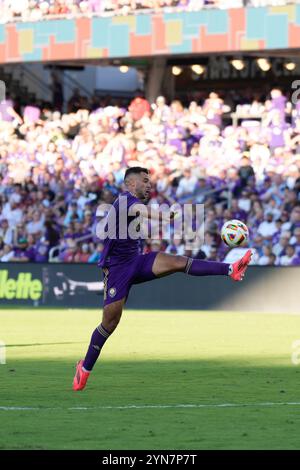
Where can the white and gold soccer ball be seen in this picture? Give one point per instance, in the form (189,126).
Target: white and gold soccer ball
(235,233)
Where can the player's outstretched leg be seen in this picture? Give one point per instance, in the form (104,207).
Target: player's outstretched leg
(165,264)
(206,268)
(111,316)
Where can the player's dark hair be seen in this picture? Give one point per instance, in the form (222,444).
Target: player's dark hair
(135,170)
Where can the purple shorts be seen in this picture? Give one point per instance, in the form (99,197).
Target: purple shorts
(119,279)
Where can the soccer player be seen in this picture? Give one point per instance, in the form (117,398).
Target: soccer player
(123,265)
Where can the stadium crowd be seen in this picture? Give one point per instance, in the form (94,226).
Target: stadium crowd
(55,170)
(34,10)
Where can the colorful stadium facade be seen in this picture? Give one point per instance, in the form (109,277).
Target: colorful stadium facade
(152,34)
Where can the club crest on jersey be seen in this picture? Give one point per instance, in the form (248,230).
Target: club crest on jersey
(112,292)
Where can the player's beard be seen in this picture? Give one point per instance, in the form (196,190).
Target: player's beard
(143,196)
(146,198)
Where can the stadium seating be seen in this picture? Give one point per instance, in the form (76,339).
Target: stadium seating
(56,168)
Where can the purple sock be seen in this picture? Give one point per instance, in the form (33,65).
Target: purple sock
(98,339)
(198,267)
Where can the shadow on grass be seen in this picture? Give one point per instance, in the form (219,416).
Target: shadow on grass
(123,405)
(121,382)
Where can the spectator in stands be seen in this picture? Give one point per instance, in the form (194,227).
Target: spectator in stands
(289,257)
(139,107)
(36,225)
(83,254)
(95,257)
(6,253)
(295,240)
(6,232)
(8,113)
(176,247)
(265,258)
(267,228)
(278,103)
(280,247)
(245,172)
(213,109)
(187,184)
(31,114)
(52,233)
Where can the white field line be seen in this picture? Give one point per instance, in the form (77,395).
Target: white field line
(144,407)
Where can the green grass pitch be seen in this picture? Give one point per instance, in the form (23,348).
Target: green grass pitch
(154,365)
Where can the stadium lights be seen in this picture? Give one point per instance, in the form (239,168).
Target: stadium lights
(198,69)
(238,64)
(290,66)
(124,68)
(264,64)
(176,70)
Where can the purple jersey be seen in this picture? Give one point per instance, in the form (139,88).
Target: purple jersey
(119,247)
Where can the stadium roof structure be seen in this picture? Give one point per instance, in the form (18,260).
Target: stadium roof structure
(180,33)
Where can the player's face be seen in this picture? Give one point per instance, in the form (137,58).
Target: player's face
(143,187)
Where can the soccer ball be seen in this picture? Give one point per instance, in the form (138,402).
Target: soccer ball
(234,233)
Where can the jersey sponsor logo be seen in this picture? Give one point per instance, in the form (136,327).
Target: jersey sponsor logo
(22,288)
(112,292)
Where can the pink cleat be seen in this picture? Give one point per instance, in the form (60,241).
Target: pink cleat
(237,269)
(80,378)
